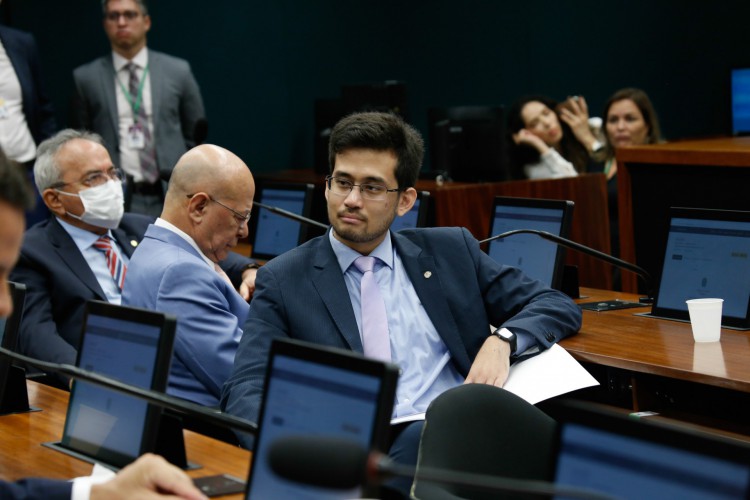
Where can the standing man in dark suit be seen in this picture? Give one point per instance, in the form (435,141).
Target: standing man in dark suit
(145,104)
(63,264)
(26,113)
(437,292)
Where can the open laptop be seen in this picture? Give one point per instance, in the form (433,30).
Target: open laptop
(417,216)
(538,258)
(133,346)
(608,451)
(707,255)
(272,234)
(313,390)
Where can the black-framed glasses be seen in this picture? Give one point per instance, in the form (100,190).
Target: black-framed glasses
(115,16)
(93,179)
(238,216)
(342,186)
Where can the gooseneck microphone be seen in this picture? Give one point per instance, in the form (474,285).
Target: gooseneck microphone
(645,276)
(343,464)
(162,400)
(290,215)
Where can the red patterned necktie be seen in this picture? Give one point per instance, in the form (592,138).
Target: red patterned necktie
(117,267)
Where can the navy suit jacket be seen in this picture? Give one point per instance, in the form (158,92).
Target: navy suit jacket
(37,107)
(30,489)
(302,295)
(59,282)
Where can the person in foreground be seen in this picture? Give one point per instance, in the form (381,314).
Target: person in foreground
(176,268)
(150,474)
(62,264)
(439,290)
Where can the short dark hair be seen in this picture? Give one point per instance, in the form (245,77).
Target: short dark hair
(143,4)
(381,132)
(15,190)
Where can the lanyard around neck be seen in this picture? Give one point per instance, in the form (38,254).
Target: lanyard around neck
(135,104)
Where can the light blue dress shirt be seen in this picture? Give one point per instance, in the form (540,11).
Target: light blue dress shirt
(96,259)
(416,347)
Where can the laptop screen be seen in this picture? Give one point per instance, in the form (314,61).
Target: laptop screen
(272,234)
(741,101)
(318,391)
(130,345)
(537,258)
(416,217)
(632,459)
(707,255)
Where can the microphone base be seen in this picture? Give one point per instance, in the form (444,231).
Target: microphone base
(570,282)
(15,398)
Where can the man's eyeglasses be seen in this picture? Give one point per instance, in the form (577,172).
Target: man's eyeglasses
(93,179)
(238,216)
(114,16)
(342,187)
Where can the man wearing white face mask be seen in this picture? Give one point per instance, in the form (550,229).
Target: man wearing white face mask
(83,250)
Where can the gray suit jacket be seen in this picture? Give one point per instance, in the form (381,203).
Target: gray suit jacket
(175,97)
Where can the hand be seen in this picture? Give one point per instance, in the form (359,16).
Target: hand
(524,136)
(575,113)
(247,287)
(492,363)
(149,477)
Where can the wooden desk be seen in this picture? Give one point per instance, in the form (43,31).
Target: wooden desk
(652,364)
(22,454)
(708,173)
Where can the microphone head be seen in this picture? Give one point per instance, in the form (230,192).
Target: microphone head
(328,462)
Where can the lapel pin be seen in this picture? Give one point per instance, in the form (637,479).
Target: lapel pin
(133,243)
(427,274)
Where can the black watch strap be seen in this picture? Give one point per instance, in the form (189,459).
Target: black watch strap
(506,336)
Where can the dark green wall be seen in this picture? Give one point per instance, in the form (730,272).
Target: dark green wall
(261,65)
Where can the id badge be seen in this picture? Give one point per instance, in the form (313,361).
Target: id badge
(136,140)
(3,109)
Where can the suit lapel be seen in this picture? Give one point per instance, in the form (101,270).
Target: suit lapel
(157,79)
(329,282)
(72,257)
(107,86)
(127,242)
(424,276)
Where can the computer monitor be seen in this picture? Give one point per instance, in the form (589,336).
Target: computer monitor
(271,234)
(133,346)
(707,255)
(610,452)
(536,257)
(13,395)
(741,101)
(467,143)
(319,391)
(417,216)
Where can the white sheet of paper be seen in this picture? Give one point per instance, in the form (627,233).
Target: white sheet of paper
(546,375)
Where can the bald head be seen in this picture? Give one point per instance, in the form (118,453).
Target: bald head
(210,189)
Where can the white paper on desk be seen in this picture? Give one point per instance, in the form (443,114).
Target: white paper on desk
(546,375)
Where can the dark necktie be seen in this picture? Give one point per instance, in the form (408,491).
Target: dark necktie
(146,155)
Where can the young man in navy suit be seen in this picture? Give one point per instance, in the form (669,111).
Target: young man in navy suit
(441,292)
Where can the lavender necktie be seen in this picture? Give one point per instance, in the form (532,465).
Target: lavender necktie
(375,336)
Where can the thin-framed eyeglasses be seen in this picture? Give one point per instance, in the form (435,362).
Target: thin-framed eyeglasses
(238,216)
(342,186)
(115,16)
(93,179)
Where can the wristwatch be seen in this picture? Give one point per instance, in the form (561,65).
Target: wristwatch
(596,146)
(507,336)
